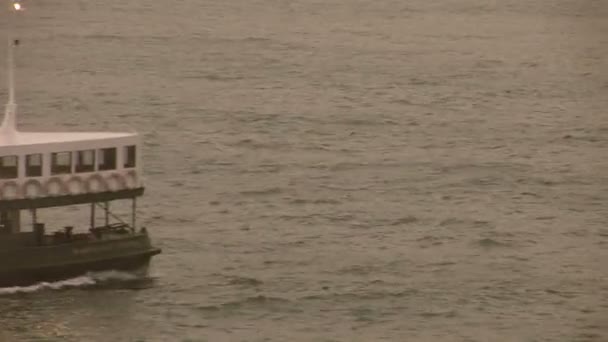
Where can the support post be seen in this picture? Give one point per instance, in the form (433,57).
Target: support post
(133,212)
(92,215)
(107,213)
(11,219)
(9,126)
(39,233)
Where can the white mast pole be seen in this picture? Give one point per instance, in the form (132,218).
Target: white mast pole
(11,73)
(10,113)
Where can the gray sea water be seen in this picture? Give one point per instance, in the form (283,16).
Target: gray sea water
(336,170)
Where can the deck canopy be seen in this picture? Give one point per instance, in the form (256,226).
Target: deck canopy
(16,142)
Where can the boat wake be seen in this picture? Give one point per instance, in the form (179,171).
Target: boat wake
(103,279)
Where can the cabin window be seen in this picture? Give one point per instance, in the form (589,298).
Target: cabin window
(107,159)
(33,165)
(61,163)
(129,156)
(9,166)
(85,161)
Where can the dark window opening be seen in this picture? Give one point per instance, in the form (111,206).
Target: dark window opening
(85,161)
(107,159)
(61,163)
(129,156)
(9,166)
(33,165)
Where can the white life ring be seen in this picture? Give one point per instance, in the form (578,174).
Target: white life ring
(10,190)
(55,187)
(131,180)
(95,183)
(32,189)
(115,182)
(75,185)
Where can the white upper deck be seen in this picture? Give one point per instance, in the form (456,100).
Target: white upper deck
(40,138)
(38,164)
(15,142)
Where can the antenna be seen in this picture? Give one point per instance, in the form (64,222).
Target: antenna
(9,124)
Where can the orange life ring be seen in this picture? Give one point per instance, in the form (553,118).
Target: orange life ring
(75,185)
(33,189)
(131,180)
(96,183)
(115,182)
(55,187)
(10,190)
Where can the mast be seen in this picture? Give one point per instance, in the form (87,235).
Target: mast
(9,124)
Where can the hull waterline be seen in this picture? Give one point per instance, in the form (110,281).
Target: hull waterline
(27,266)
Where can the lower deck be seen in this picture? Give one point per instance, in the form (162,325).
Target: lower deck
(60,251)
(65,256)
(11,241)
(56,262)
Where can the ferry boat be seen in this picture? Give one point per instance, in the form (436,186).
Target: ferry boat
(43,170)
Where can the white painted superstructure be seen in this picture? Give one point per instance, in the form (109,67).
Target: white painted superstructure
(41,164)
(38,164)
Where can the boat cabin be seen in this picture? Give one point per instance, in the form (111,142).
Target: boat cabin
(43,165)
(41,170)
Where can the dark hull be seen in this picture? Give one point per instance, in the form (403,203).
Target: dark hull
(54,263)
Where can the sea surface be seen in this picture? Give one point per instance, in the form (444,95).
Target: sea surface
(335,170)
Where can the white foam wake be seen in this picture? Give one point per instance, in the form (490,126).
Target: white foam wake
(113,275)
(89,279)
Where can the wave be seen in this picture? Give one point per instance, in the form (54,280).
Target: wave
(275,303)
(404,220)
(490,243)
(88,280)
(264,191)
(439,313)
(236,280)
(356,296)
(314,201)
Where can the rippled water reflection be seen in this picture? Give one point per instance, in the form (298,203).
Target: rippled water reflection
(338,170)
